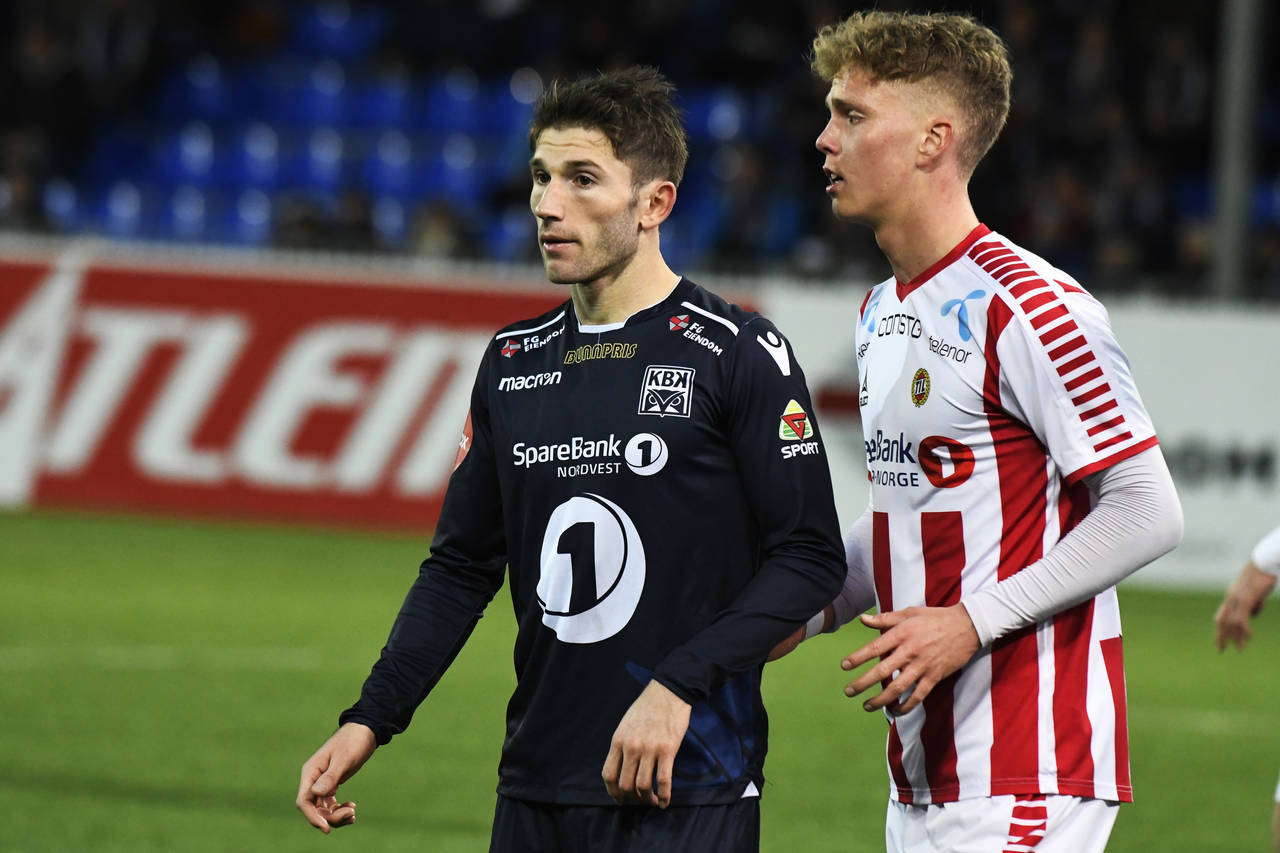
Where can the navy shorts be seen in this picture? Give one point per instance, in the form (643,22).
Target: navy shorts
(520,826)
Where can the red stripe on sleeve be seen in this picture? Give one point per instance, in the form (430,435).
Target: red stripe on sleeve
(1084,379)
(1023,288)
(1039,301)
(1104,388)
(1103,427)
(1112,442)
(1075,364)
(1058,331)
(1105,407)
(1070,346)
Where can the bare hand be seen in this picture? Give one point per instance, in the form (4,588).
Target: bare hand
(1244,600)
(643,751)
(923,645)
(334,763)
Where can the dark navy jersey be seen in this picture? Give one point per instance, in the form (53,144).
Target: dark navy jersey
(660,494)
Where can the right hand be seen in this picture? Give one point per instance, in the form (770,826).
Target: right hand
(334,763)
(1243,601)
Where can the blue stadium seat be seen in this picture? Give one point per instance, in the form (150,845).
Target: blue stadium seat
(123,211)
(319,166)
(322,95)
(453,102)
(338,29)
(61,202)
(383,102)
(185,215)
(251,219)
(255,158)
(390,222)
(458,172)
(720,115)
(188,155)
(388,166)
(508,104)
(201,88)
(511,236)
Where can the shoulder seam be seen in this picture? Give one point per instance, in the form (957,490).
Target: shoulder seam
(511,332)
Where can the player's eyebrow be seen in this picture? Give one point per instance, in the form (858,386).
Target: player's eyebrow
(567,165)
(840,105)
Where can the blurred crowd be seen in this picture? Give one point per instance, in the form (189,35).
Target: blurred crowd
(1105,166)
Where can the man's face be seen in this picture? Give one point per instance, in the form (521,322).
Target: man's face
(587,210)
(870,143)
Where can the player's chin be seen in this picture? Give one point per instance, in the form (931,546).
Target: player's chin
(559,273)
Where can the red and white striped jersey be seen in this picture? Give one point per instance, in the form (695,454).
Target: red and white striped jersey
(990,385)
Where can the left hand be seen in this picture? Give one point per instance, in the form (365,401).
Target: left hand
(643,750)
(923,645)
(1243,601)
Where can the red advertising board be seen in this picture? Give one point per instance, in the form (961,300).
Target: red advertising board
(306,394)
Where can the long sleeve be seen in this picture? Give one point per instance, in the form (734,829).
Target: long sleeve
(453,587)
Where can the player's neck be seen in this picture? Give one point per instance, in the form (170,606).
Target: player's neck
(644,281)
(925,231)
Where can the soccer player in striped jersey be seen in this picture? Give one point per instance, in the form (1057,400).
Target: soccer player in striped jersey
(1015,474)
(1244,600)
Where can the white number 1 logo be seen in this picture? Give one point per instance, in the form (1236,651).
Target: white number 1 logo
(592,570)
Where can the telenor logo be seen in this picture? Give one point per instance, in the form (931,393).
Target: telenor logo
(666,391)
(794,424)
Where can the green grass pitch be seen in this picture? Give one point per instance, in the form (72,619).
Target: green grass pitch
(162,681)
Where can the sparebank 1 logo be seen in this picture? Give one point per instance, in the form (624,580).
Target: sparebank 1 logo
(592,570)
(962,313)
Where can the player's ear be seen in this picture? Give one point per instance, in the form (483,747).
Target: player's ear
(938,138)
(657,198)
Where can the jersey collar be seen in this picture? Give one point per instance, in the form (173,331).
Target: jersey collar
(677,293)
(904,290)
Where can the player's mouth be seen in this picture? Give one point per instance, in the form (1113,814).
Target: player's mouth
(554,242)
(834,181)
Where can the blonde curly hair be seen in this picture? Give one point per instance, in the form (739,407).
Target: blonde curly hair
(961,58)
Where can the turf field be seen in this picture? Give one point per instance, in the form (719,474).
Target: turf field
(162,681)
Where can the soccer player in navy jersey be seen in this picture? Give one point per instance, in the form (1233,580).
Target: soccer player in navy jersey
(644,463)
(1015,473)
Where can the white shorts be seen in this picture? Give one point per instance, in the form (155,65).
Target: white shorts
(1278,792)
(1005,824)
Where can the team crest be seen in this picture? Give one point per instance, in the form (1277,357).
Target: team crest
(667,391)
(678,322)
(794,424)
(920,387)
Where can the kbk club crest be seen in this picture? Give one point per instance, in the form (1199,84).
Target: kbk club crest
(667,391)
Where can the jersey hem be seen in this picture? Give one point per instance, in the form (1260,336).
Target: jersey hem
(580,797)
(1020,787)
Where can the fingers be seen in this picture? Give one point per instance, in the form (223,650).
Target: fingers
(665,772)
(637,775)
(612,772)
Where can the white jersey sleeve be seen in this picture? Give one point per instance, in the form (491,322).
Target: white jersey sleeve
(1064,375)
(1266,554)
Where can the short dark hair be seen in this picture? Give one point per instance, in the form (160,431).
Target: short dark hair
(633,108)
